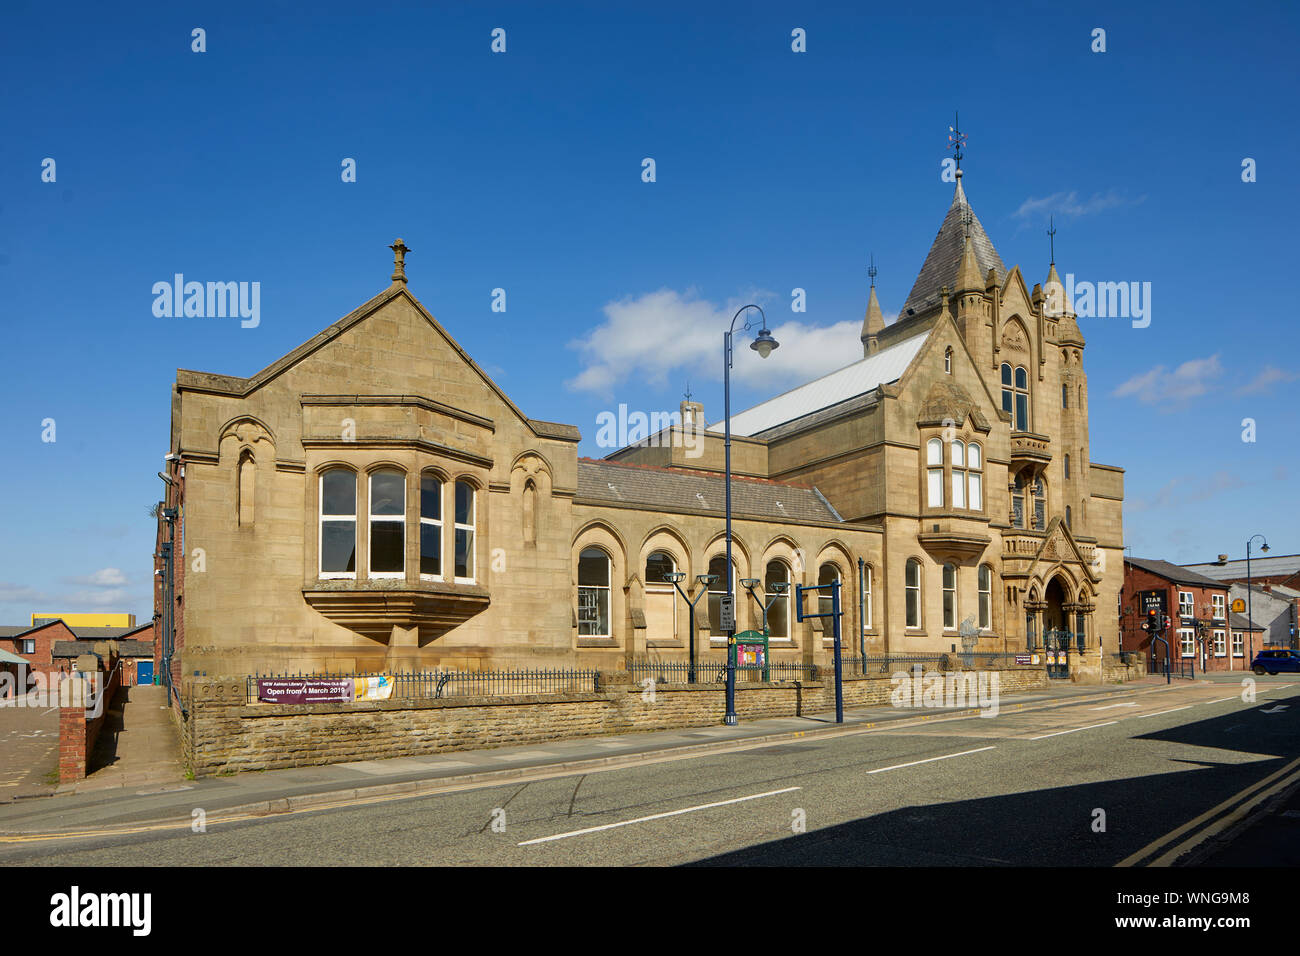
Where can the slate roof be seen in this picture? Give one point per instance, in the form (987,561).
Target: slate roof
(1239,622)
(1175,573)
(124,648)
(942,262)
(1262,565)
(109,633)
(646,486)
(837,387)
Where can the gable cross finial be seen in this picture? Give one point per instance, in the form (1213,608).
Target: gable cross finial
(399,261)
(688,390)
(1051,237)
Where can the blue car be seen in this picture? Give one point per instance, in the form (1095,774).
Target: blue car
(1273,661)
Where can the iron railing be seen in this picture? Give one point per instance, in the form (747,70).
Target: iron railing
(443,684)
(1184,669)
(876,665)
(715,672)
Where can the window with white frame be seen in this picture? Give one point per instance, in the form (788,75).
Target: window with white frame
(866,602)
(828,573)
(1238,644)
(430,527)
(778,615)
(949,597)
(986,597)
(974,479)
(912,588)
(1220,644)
(947,360)
(717,591)
(1219,601)
(29,646)
(934,472)
(958,473)
(338,523)
(1187,636)
(465,505)
(387,524)
(1015,396)
(593,593)
(1185,604)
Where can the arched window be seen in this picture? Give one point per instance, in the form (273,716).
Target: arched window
(593,593)
(1015,396)
(947,360)
(866,597)
(828,573)
(660,597)
(338,524)
(934,472)
(464,568)
(1018,502)
(778,615)
(1067,517)
(387,524)
(912,586)
(986,597)
(949,597)
(974,478)
(246,488)
(718,590)
(530,512)
(1067,466)
(1065,396)
(430,527)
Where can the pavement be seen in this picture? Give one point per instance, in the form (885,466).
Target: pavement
(29,748)
(138,746)
(88,804)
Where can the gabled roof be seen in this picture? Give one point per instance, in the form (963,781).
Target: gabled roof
(1260,566)
(943,262)
(690,492)
(1175,573)
(887,365)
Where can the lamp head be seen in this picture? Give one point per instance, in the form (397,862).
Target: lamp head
(779,587)
(673,577)
(1264,546)
(706,578)
(749,582)
(764,344)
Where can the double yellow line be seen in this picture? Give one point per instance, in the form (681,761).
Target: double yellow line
(1227,817)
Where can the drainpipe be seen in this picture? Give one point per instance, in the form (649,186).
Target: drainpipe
(862,601)
(168,550)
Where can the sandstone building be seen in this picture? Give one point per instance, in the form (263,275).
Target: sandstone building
(373,501)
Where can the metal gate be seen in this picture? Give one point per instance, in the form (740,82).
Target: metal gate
(1056,648)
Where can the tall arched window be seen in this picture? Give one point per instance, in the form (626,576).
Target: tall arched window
(828,573)
(934,472)
(947,360)
(1018,502)
(912,586)
(430,527)
(974,477)
(530,512)
(593,593)
(778,615)
(1067,466)
(949,597)
(387,524)
(1065,396)
(338,524)
(246,488)
(1068,517)
(1040,504)
(958,473)
(717,591)
(464,568)
(986,597)
(660,597)
(1015,396)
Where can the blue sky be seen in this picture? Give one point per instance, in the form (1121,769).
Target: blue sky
(522,171)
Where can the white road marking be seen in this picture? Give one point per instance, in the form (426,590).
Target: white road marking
(1170,711)
(899,766)
(1113,706)
(1075,730)
(658,816)
(1221,699)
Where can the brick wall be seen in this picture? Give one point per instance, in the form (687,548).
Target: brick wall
(41,660)
(223,732)
(78,731)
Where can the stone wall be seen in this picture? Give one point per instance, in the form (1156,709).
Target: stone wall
(224,733)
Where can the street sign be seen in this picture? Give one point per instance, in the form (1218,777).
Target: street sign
(727,613)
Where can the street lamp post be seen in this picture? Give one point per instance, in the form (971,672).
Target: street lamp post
(763,345)
(779,588)
(704,580)
(1249,616)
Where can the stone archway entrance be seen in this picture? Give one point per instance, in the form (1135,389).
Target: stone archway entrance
(1054,614)
(1056,629)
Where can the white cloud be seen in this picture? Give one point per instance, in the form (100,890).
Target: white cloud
(658,334)
(103,578)
(1069,205)
(1268,376)
(1159,386)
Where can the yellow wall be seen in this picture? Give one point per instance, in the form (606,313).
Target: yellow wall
(89,620)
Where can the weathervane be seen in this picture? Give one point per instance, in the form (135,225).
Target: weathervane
(688,390)
(872,270)
(1051,237)
(956,140)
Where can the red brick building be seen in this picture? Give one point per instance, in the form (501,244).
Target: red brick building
(1196,607)
(35,645)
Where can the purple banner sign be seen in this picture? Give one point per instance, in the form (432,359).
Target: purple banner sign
(304,690)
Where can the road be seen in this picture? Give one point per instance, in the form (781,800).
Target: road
(1084,782)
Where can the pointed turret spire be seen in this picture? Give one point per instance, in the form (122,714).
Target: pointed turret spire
(873,323)
(944,262)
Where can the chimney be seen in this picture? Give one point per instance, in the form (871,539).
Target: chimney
(1223,559)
